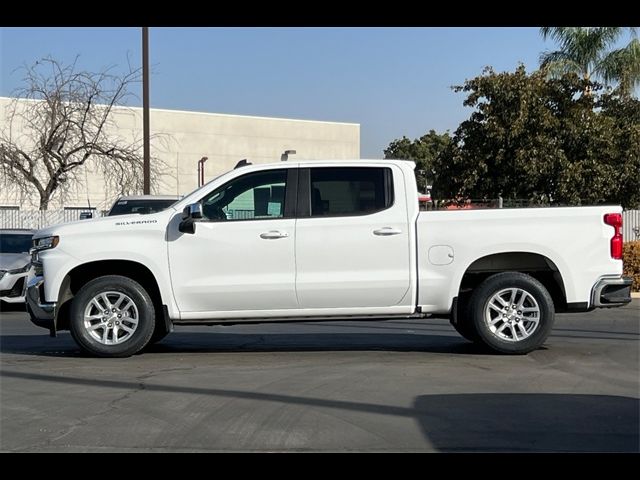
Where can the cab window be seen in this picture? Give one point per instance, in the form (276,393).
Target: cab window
(255,196)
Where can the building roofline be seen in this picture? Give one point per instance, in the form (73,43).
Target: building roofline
(284,119)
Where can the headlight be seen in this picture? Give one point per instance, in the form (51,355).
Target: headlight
(18,270)
(45,243)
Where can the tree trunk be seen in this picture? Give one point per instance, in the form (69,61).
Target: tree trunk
(44,201)
(587,90)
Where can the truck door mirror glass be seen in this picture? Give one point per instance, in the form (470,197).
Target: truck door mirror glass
(190,214)
(193,211)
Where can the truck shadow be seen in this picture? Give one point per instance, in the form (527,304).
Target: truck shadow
(530,422)
(383,336)
(214,342)
(308,342)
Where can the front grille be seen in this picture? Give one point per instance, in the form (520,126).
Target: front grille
(15,291)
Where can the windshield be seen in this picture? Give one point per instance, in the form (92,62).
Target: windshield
(125,207)
(15,243)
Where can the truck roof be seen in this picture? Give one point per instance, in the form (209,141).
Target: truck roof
(335,161)
(348,160)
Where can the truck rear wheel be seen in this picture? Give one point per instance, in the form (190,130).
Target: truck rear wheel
(512,313)
(462,321)
(112,316)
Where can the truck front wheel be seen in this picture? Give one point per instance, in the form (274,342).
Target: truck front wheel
(112,316)
(512,313)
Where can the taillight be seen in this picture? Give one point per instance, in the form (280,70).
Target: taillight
(615,220)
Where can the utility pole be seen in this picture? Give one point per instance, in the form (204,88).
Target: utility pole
(201,170)
(146,168)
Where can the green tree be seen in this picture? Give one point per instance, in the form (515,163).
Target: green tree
(623,117)
(423,151)
(587,51)
(535,137)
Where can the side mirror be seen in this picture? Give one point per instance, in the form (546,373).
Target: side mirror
(190,214)
(193,211)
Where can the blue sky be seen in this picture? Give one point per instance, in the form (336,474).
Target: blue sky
(393,81)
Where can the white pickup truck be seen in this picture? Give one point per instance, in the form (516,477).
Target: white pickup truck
(322,240)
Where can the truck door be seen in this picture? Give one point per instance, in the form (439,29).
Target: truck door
(241,256)
(352,238)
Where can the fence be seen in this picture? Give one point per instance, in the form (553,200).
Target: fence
(36,219)
(631,225)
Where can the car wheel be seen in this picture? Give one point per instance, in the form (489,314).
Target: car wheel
(462,321)
(112,316)
(512,312)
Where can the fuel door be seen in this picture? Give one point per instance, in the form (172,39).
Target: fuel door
(440,255)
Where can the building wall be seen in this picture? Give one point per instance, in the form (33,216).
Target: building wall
(181,138)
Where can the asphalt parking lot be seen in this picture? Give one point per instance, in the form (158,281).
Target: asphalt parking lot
(397,385)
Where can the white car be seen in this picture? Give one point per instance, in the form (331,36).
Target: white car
(321,240)
(142,204)
(14,263)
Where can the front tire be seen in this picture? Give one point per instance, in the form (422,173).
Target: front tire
(112,316)
(512,313)
(159,333)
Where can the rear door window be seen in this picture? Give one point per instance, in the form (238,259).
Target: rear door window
(344,191)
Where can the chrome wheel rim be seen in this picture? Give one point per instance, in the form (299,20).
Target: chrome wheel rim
(111,318)
(512,314)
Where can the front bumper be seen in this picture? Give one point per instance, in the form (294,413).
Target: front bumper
(43,314)
(12,287)
(611,292)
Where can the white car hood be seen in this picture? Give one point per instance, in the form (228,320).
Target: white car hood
(11,261)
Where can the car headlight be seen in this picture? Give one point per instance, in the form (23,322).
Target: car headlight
(45,243)
(18,270)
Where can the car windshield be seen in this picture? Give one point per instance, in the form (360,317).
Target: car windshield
(125,207)
(15,243)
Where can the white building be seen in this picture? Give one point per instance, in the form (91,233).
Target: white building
(181,138)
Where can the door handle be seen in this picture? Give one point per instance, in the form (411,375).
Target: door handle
(386,231)
(273,234)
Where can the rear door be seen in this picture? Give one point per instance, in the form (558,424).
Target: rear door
(352,238)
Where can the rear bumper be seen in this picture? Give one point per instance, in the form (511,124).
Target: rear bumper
(43,314)
(611,292)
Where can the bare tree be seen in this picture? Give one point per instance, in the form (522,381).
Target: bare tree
(65,121)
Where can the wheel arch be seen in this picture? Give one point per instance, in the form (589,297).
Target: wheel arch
(85,272)
(539,266)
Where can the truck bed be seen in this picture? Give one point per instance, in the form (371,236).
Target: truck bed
(575,241)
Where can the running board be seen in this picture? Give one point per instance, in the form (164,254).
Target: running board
(249,321)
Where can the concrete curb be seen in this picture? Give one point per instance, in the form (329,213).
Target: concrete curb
(635,294)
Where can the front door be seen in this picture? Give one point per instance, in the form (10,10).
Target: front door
(241,257)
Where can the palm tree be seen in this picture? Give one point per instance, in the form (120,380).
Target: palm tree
(587,52)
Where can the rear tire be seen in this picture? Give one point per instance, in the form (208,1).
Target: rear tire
(512,313)
(462,321)
(112,316)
